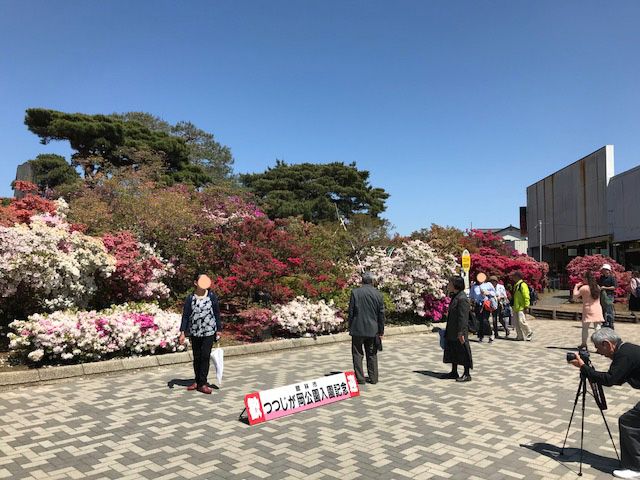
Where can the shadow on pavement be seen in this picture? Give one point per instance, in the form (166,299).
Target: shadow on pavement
(429,373)
(566,349)
(185,382)
(604,464)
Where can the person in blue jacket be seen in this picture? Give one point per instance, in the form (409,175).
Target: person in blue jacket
(201,322)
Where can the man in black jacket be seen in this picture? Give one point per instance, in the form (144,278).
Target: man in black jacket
(625,367)
(366,321)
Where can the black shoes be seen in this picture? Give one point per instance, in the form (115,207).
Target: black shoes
(464,378)
(450,375)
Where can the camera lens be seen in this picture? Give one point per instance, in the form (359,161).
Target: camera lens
(571,356)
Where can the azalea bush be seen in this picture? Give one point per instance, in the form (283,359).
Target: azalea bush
(414,276)
(302,315)
(21,210)
(45,266)
(593,263)
(490,254)
(139,271)
(74,336)
(252,324)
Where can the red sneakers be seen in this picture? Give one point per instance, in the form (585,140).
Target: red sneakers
(205,389)
(192,387)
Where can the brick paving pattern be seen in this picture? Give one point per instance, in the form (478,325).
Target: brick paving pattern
(508,423)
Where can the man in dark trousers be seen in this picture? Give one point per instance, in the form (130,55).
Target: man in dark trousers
(625,367)
(366,321)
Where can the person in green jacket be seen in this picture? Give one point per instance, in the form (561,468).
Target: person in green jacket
(521,301)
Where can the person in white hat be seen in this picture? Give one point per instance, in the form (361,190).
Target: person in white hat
(608,282)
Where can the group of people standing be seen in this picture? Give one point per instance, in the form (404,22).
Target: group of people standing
(489,299)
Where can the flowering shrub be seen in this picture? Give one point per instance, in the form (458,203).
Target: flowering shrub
(491,262)
(252,324)
(20,211)
(593,263)
(272,256)
(221,207)
(139,270)
(46,266)
(302,315)
(69,335)
(414,276)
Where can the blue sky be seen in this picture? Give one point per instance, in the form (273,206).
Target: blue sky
(455,107)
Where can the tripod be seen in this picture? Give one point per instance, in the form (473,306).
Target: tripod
(598,394)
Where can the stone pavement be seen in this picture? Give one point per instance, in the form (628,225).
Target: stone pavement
(509,422)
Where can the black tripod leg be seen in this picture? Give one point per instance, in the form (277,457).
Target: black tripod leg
(610,436)
(583,385)
(575,402)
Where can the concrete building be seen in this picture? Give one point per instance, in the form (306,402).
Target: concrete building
(584,209)
(512,237)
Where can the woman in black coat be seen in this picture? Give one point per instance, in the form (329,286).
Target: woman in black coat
(457,350)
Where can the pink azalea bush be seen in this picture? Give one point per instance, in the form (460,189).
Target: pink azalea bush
(593,263)
(252,324)
(73,336)
(139,270)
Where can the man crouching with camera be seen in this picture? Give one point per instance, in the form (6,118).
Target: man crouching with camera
(625,367)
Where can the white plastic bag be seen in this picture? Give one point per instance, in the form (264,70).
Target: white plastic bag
(217,356)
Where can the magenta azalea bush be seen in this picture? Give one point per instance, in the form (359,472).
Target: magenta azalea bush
(252,324)
(69,336)
(593,263)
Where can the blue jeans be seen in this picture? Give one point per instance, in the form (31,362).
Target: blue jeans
(609,316)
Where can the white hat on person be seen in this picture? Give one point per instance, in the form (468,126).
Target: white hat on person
(606,266)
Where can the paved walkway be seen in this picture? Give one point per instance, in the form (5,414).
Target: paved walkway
(509,422)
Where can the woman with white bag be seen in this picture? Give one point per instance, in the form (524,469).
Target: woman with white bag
(201,321)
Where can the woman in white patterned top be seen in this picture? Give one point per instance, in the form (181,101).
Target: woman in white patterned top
(201,321)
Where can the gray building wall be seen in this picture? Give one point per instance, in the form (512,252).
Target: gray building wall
(623,204)
(572,202)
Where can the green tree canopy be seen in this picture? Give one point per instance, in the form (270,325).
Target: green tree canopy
(214,158)
(102,142)
(53,171)
(314,190)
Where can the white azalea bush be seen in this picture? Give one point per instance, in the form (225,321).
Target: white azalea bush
(414,276)
(46,263)
(73,336)
(302,315)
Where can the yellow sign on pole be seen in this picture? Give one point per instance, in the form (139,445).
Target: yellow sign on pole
(466,260)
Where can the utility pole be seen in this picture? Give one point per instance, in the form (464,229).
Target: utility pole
(540,228)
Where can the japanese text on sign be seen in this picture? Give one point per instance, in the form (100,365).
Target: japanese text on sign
(278,402)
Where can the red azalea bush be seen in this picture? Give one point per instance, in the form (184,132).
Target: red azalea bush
(252,324)
(593,263)
(272,256)
(494,257)
(20,211)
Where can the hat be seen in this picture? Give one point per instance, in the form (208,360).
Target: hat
(606,266)
(493,278)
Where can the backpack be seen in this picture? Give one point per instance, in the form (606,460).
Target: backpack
(533,295)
